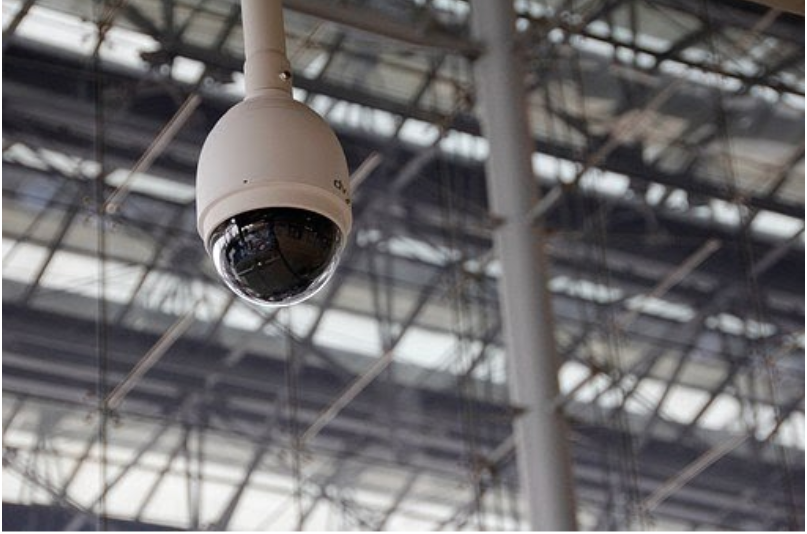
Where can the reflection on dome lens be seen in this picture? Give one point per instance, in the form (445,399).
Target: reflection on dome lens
(276,256)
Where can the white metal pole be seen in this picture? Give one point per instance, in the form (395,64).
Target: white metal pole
(266,67)
(542,448)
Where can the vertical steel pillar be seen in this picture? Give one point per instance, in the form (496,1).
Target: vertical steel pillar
(543,452)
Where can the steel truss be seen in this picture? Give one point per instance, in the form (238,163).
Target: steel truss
(220,395)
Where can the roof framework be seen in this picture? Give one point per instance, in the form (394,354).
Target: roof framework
(670,147)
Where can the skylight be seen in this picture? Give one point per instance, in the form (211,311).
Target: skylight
(722,414)
(349,331)
(242,317)
(153,186)
(465,145)
(186,70)
(775,225)
(731,324)
(408,247)
(425,348)
(585,289)
(69,32)
(79,274)
(22,261)
(683,403)
(419,133)
(661,308)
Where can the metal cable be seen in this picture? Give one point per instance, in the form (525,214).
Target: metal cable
(102,20)
(756,344)
(595,231)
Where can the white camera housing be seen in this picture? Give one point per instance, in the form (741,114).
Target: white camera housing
(270,152)
(272,185)
(266,155)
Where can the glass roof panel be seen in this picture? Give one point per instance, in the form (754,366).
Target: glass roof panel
(583,88)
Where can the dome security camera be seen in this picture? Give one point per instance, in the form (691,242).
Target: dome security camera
(273,195)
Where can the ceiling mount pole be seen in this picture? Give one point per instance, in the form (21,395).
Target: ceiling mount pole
(542,450)
(266,67)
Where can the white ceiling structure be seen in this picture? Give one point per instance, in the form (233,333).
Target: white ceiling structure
(673,133)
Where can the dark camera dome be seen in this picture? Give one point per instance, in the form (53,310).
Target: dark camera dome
(276,256)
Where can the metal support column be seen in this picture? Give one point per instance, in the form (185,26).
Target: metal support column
(542,450)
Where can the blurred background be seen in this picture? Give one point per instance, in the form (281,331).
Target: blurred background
(669,136)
